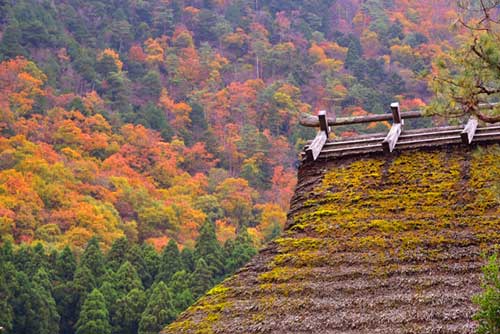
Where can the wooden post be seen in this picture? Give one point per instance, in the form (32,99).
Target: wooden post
(392,137)
(396,112)
(323,124)
(314,149)
(469,130)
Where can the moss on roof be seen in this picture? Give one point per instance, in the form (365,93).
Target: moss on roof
(380,244)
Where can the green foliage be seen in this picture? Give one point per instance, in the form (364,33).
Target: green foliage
(179,285)
(170,262)
(159,310)
(201,279)
(47,311)
(7,314)
(33,306)
(488,301)
(83,283)
(70,298)
(469,75)
(118,253)
(94,315)
(136,258)
(128,312)
(151,260)
(209,250)
(93,258)
(239,251)
(127,279)
(65,265)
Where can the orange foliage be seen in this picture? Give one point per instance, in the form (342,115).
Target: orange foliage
(158,242)
(178,112)
(154,52)
(316,52)
(137,54)
(113,55)
(283,185)
(20,84)
(272,216)
(224,231)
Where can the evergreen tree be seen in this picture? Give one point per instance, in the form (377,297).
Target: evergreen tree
(118,94)
(23,260)
(239,251)
(354,52)
(65,265)
(6,252)
(94,315)
(128,312)
(111,295)
(93,258)
(136,257)
(47,309)
(187,257)
(39,259)
(151,89)
(66,301)
(179,284)
(10,46)
(154,117)
(127,279)
(34,308)
(170,262)
(208,248)
(159,311)
(6,289)
(106,65)
(117,254)
(22,304)
(151,259)
(83,283)
(201,279)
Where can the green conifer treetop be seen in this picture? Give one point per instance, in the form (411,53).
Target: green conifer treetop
(94,316)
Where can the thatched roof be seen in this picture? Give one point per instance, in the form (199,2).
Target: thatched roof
(374,244)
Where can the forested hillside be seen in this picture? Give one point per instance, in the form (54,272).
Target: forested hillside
(145,119)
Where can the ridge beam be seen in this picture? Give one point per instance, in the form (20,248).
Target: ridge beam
(314,149)
(469,131)
(392,137)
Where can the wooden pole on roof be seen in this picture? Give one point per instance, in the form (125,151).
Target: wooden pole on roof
(392,137)
(313,122)
(317,144)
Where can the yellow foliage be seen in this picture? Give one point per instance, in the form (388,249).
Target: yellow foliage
(154,51)
(112,54)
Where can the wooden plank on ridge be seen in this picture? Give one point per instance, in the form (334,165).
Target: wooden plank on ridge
(314,149)
(392,138)
(470,129)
